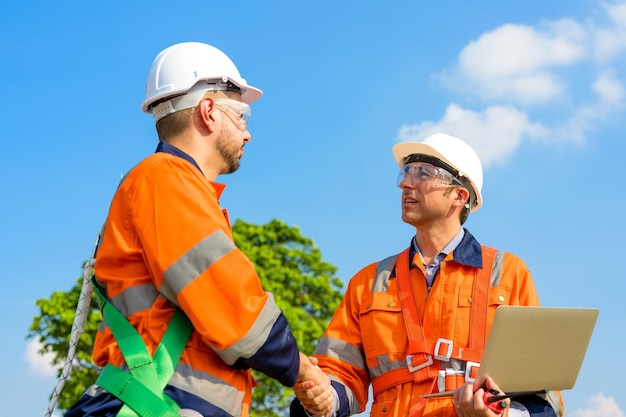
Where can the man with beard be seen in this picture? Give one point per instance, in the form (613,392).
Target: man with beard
(185,316)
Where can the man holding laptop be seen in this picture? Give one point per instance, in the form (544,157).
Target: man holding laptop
(416,323)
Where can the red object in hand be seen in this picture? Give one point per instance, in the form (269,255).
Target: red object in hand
(496,406)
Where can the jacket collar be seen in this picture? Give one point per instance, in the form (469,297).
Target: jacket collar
(468,251)
(173,150)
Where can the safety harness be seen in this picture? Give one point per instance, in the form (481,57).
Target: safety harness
(141,390)
(425,356)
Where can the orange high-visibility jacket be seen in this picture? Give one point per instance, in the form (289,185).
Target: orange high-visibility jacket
(167,243)
(366,341)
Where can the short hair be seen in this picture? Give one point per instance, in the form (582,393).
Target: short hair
(174,124)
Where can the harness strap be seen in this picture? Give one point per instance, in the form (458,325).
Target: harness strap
(413,321)
(480,301)
(425,361)
(138,399)
(141,391)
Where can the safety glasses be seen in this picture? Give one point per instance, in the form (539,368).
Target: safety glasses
(241,111)
(424,172)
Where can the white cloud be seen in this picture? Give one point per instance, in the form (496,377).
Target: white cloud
(608,44)
(609,99)
(609,89)
(39,364)
(617,13)
(599,406)
(553,82)
(513,61)
(495,134)
(610,41)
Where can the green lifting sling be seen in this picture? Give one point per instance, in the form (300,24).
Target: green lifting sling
(141,391)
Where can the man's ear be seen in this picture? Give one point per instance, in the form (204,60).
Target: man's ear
(461,197)
(206,109)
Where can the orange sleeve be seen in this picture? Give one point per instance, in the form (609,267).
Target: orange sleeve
(344,358)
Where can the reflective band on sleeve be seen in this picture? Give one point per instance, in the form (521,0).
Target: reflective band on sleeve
(193,263)
(209,388)
(343,351)
(132,300)
(135,299)
(255,337)
(384,366)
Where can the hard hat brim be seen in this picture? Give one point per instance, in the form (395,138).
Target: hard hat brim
(402,150)
(250,94)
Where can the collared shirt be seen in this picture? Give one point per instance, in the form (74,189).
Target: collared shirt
(171,149)
(467,256)
(432,268)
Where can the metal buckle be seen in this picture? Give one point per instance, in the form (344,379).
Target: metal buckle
(445,357)
(443,374)
(441,381)
(468,370)
(424,364)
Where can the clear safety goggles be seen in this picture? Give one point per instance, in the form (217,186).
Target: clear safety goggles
(237,109)
(425,172)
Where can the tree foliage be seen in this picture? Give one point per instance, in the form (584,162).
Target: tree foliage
(304,286)
(289,265)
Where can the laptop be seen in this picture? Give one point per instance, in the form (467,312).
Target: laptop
(536,348)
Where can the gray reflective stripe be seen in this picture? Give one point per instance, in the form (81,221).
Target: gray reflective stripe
(201,384)
(496,271)
(135,299)
(385,365)
(343,351)
(352,401)
(347,353)
(383,271)
(193,263)
(209,388)
(256,337)
(132,300)
(384,267)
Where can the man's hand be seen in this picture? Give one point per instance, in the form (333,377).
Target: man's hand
(470,403)
(313,387)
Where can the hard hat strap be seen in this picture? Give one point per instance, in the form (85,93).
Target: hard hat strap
(418,157)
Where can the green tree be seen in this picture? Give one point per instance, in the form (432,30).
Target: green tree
(289,265)
(304,286)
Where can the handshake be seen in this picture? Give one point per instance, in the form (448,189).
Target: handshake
(313,388)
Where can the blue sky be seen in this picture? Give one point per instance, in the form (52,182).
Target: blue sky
(536,87)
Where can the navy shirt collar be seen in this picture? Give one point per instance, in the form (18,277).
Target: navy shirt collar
(173,150)
(468,251)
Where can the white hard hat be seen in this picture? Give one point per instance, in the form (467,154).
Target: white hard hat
(453,152)
(181,74)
